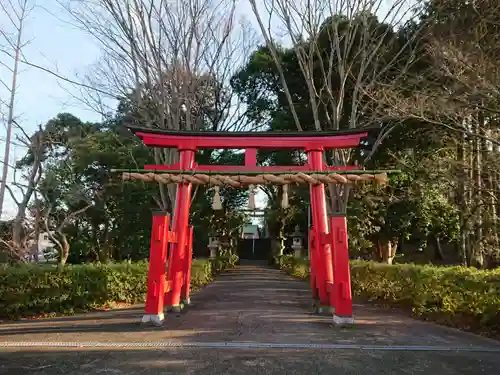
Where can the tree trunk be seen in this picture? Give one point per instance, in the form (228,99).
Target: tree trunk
(17,230)
(470,201)
(64,250)
(104,250)
(489,195)
(104,254)
(37,230)
(494,208)
(17,225)
(386,250)
(438,255)
(477,257)
(277,245)
(461,201)
(10,118)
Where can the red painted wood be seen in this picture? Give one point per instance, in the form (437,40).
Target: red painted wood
(312,265)
(176,263)
(243,168)
(171,237)
(331,291)
(320,225)
(342,284)
(186,287)
(187,142)
(157,264)
(250,157)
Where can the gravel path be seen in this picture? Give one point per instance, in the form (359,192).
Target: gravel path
(251,320)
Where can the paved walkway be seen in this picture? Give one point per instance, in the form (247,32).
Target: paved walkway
(251,320)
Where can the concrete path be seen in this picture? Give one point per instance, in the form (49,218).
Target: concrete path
(251,320)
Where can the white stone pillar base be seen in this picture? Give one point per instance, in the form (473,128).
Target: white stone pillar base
(155,319)
(342,320)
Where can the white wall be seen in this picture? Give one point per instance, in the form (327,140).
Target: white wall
(44,244)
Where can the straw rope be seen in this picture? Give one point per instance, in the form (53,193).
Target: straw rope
(262,179)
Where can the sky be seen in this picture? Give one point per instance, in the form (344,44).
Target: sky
(55,45)
(58,46)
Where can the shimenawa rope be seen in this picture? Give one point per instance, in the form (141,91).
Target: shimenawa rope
(263,179)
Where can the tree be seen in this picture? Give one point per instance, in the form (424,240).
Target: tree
(122,211)
(169,63)
(64,200)
(414,207)
(341,51)
(31,168)
(9,251)
(11,45)
(47,155)
(456,77)
(225,222)
(456,88)
(88,212)
(429,80)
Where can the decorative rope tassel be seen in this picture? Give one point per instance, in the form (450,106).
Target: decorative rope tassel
(284,199)
(216,202)
(251,198)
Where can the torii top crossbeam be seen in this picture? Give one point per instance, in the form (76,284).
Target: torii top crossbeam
(249,140)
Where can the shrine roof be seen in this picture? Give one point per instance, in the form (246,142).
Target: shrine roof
(244,134)
(194,140)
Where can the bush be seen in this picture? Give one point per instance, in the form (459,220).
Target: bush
(226,260)
(44,289)
(457,296)
(297,267)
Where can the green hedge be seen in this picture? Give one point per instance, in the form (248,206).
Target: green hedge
(27,290)
(224,261)
(463,297)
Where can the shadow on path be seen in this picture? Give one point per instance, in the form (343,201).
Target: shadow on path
(250,303)
(243,362)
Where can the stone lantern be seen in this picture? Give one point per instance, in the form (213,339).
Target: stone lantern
(213,245)
(297,245)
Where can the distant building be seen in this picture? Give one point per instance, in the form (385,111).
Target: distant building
(250,231)
(45,251)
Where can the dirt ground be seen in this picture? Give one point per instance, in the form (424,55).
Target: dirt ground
(251,320)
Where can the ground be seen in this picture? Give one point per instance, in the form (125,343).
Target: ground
(252,320)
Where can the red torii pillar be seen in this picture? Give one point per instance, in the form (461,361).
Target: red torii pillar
(341,288)
(186,286)
(329,274)
(153,311)
(178,257)
(322,260)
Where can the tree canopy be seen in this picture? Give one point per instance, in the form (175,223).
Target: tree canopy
(430,85)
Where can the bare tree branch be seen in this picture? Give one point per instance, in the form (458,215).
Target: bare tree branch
(344,49)
(169,62)
(17,14)
(458,89)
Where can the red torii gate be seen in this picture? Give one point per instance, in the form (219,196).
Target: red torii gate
(330,275)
